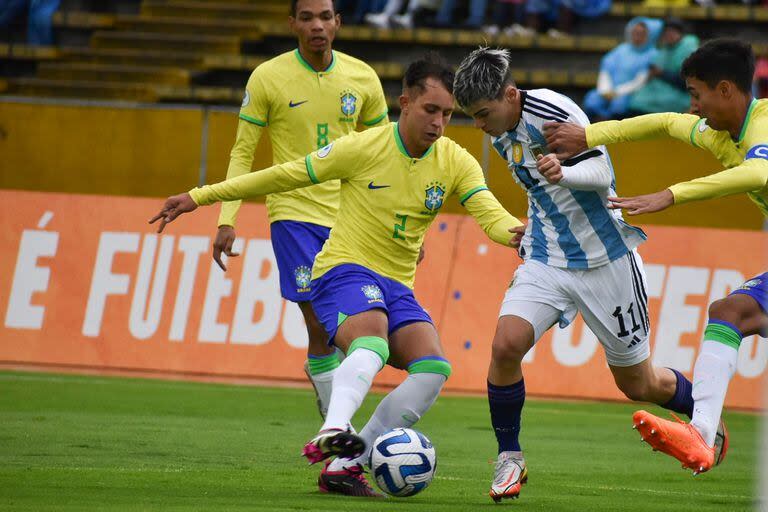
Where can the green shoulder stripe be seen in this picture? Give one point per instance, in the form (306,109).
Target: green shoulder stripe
(693,132)
(376,120)
(469,194)
(252,120)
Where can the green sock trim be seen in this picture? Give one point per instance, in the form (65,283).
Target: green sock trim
(374,344)
(722,334)
(323,364)
(431,366)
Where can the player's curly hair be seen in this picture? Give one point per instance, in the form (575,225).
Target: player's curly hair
(432,65)
(483,75)
(722,59)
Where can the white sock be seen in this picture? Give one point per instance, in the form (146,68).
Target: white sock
(323,384)
(712,373)
(402,407)
(351,382)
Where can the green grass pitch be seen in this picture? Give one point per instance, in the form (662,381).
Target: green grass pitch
(72,442)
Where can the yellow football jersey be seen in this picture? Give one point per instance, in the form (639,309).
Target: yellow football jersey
(745,159)
(304,110)
(388,198)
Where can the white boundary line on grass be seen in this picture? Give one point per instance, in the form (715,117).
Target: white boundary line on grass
(626,489)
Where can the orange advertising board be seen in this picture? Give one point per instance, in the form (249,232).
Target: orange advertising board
(85,282)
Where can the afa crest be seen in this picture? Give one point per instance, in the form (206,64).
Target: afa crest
(434,195)
(303,276)
(373,293)
(348,103)
(517,153)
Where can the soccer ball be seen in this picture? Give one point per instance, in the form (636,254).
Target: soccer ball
(403,462)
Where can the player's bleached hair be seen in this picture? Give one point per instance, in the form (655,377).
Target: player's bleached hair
(482,75)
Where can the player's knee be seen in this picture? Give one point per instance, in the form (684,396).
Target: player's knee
(734,310)
(723,310)
(508,349)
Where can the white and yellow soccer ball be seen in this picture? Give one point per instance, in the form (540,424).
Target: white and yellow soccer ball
(403,462)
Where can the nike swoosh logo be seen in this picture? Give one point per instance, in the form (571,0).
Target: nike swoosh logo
(374,187)
(292,104)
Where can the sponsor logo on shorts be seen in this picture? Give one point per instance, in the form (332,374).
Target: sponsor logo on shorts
(373,293)
(303,275)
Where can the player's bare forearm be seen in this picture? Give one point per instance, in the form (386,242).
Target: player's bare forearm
(648,203)
(173,207)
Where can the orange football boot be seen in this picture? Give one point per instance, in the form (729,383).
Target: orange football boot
(677,439)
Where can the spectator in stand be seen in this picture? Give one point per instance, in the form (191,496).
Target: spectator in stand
(665,90)
(509,14)
(475,19)
(761,78)
(560,15)
(354,11)
(389,15)
(623,71)
(39,18)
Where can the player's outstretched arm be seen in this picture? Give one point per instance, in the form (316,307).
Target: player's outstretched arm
(568,139)
(750,176)
(278,178)
(173,207)
(480,202)
(500,226)
(648,203)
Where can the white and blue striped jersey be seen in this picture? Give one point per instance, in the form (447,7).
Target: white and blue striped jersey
(567,228)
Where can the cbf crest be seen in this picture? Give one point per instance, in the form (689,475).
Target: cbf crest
(303,276)
(348,103)
(434,195)
(373,293)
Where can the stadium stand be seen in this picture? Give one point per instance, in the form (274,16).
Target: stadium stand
(202,51)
